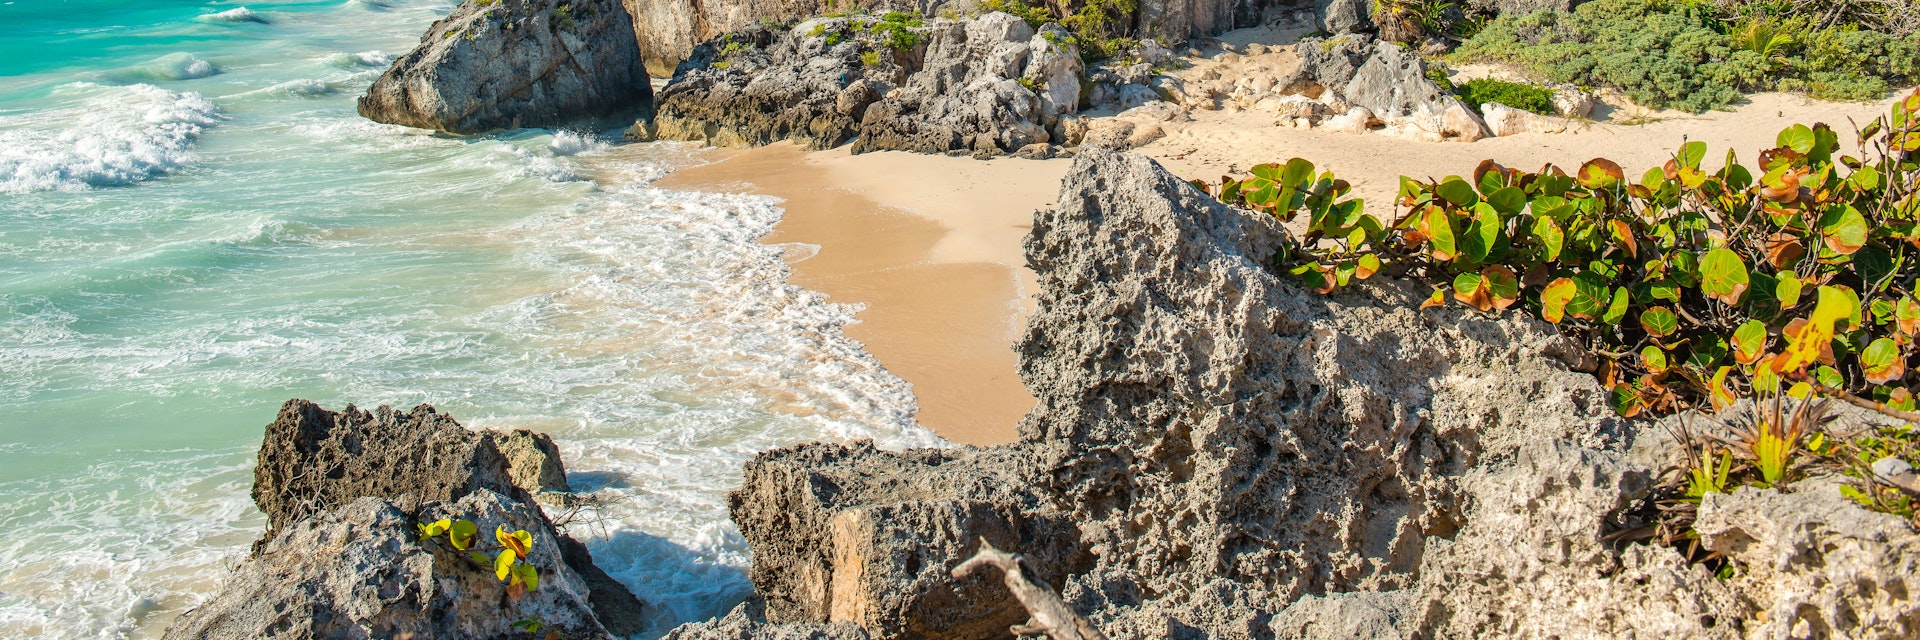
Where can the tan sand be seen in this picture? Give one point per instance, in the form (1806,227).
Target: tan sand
(930,245)
(1217,143)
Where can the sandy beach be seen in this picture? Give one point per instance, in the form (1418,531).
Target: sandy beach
(930,245)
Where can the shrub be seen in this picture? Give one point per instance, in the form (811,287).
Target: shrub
(1692,288)
(1096,25)
(1479,91)
(1686,56)
(897,29)
(870,58)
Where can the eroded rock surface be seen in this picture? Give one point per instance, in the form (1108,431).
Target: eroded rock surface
(341,557)
(360,571)
(515,63)
(1242,458)
(986,86)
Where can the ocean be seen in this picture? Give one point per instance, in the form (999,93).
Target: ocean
(196,225)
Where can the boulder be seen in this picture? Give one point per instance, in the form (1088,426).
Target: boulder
(1503,120)
(878,532)
(314,460)
(986,86)
(1339,17)
(965,97)
(314,463)
(1388,81)
(361,571)
(516,63)
(1572,101)
(762,85)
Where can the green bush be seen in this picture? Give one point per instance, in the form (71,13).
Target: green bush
(1686,56)
(1096,25)
(1479,91)
(1691,287)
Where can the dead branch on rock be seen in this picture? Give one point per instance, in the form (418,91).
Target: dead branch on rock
(1049,614)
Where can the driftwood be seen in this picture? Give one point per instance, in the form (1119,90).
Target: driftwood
(1049,614)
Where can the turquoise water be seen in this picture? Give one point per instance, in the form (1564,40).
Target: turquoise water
(195,226)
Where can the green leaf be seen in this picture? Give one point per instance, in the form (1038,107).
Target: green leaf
(1626,402)
(1843,229)
(1601,174)
(1829,377)
(1882,362)
(1663,289)
(1798,138)
(1653,359)
(1554,299)
(1866,178)
(1617,311)
(1749,342)
(461,534)
(1723,276)
(1440,236)
(1458,192)
(1508,200)
(1707,352)
(1659,322)
(1692,153)
(1787,290)
(1685,268)
(1589,296)
(1296,173)
(1550,236)
(1482,234)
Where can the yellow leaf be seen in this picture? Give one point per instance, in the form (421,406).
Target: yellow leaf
(503,564)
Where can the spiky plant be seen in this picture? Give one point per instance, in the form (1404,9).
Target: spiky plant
(1772,435)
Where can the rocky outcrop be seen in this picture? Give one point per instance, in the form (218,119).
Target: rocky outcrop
(1340,17)
(985,86)
(1241,458)
(515,63)
(1391,83)
(361,571)
(341,557)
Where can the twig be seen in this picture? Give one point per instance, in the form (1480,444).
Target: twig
(1050,615)
(1864,403)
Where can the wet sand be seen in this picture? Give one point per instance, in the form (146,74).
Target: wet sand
(930,245)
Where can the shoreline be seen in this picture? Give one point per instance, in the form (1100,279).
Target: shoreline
(930,246)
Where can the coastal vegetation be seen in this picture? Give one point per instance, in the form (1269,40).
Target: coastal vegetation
(1791,284)
(1697,56)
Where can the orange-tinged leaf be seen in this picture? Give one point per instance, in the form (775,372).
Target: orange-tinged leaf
(1438,298)
(1601,173)
(1623,235)
(1749,342)
(1503,289)
(1882,362)
(1721,397)
(1783,250)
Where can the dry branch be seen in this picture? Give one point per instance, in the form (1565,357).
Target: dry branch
(1048,613)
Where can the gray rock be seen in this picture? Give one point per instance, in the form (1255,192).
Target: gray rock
(1055,67)
(516,63)
(758,85)
(1387,80)
(361,572)
(958,90)
(313,461)
(748,621)
(1830,568)
(878,532)
(1339,17)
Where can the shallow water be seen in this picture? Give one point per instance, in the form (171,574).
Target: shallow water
(195,226)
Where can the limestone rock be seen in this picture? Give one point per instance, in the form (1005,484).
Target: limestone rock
(1503,120)
(361,572)
(878,532)
(1393,84)
(313,461)
(827,81)
(1572,101)
(1339,17)
(760,85)
(515,63)
(1830,569)
(1055,67)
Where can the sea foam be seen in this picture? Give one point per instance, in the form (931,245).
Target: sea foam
(232,16)
(167,68)
(116,136)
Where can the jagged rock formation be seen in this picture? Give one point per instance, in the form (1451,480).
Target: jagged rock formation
(957,88)
(515,63)
(360,571)
(1242,458)
(341,558)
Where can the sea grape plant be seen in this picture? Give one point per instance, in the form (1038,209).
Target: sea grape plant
(1693,285)
(510,564)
